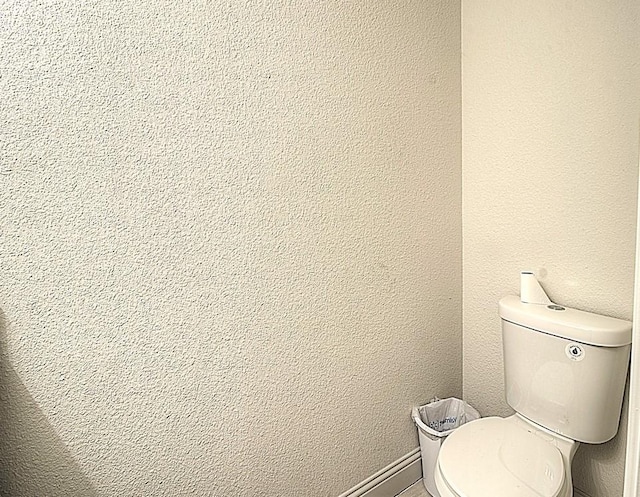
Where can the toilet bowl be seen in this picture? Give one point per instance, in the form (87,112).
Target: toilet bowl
(505,457)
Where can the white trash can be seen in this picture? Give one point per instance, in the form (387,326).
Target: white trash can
(435,421)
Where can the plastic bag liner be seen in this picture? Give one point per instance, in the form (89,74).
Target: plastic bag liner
(441,417)
(435,421)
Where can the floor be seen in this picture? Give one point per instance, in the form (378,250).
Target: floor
(418,490)
(415,490)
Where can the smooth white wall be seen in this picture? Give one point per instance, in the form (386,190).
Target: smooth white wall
(231,254)
(550,143)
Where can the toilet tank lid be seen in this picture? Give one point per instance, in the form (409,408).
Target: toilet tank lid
(564,322)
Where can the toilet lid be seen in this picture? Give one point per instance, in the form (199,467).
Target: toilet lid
(494,457)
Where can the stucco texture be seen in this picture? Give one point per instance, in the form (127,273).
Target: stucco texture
(231,242)
(550,169)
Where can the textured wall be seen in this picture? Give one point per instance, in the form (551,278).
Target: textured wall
(550,142)
(231,255)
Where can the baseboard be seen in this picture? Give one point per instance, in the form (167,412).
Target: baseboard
(391,480)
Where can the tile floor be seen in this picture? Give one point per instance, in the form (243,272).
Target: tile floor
(415,490)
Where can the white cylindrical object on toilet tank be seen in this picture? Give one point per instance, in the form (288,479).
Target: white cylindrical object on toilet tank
(530,290)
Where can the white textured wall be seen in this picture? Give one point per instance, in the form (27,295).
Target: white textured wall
(231,255)
(550,141)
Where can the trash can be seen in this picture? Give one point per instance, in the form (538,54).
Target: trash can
(435,421)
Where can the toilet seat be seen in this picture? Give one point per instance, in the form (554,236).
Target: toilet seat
(499,457)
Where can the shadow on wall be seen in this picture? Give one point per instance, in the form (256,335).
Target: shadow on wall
(591,459)
(34,461)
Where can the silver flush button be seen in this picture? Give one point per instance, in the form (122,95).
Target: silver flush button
(555,307)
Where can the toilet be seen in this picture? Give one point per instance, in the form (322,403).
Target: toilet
(565,372)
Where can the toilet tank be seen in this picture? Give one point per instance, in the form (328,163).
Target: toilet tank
(565,369)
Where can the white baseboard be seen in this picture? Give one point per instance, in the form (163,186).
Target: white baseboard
(391,480)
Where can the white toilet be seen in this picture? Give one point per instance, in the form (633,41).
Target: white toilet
(565,372)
